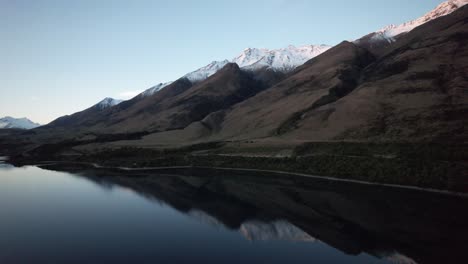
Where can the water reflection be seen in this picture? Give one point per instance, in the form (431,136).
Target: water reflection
(403,226)
(276,230)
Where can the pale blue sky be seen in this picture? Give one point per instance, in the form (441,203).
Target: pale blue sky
(59,57)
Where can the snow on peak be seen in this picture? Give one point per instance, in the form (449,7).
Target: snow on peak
(154,89)
(22,123)
(107,102)
(389,32)
(284,59)
(205,72)
(250,56)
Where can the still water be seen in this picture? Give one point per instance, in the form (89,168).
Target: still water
(75,214)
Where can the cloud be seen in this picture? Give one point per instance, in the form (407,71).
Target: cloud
(129,94)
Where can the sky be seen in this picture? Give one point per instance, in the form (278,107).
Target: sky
(59,57)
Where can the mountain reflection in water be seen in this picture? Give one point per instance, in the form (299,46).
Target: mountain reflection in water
(401,225)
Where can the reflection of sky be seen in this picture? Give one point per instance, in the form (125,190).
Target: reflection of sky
(48,215)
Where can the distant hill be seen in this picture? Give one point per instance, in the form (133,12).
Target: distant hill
(20,123)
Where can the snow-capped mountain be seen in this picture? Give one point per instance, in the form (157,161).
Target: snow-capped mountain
(107,102)
(389,32)
(284,59)
(205,72)
(154,89)
(195,76)
(22,123)
(287,59)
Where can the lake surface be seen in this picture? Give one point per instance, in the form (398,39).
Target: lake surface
(75,214)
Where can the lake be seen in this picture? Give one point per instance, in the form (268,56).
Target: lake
(73,213)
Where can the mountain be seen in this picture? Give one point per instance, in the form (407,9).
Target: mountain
(284,60)
(389,32)
(376,41)
(251,59)
(265,67)
(415,90)
(267,114)
(181,103)
(206,71)
(154,89)
(106,103)
(280,61)
(21,123)
(82,116)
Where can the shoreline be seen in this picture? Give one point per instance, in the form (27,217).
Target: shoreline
(398,186)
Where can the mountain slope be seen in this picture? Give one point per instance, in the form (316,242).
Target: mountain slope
(82,116)
(21,123)
(228,86)
(263,114)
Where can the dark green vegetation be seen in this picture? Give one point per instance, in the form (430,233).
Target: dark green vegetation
(426,165)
